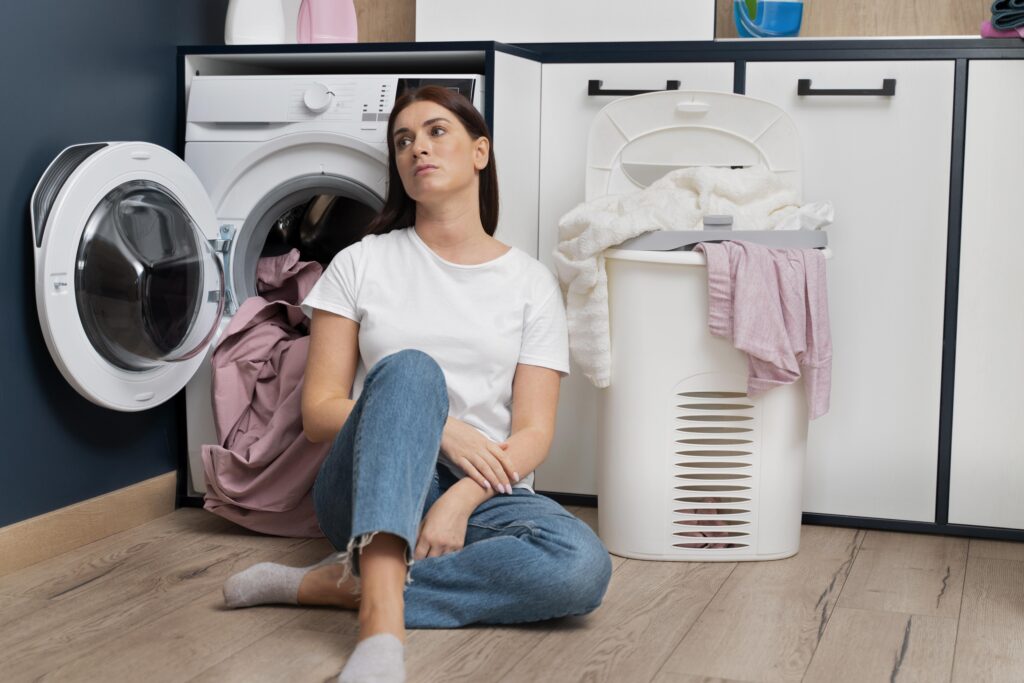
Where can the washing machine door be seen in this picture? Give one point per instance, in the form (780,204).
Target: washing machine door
(129,287)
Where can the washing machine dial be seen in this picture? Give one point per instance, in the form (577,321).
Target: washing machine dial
(317,98)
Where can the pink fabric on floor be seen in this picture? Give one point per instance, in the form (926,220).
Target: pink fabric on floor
(772,304)
(987,31)
(261,473)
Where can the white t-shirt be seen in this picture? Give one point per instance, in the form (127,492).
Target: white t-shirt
(477,321)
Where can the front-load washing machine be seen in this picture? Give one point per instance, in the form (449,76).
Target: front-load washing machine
(141,258)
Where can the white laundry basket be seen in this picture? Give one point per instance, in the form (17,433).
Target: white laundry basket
(689,466)
(684,452)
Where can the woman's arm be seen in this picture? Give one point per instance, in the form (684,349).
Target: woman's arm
(330,371)
(534,402)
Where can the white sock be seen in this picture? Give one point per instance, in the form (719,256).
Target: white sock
(377,659)
(269,582)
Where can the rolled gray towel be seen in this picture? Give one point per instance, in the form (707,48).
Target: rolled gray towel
(1007,14)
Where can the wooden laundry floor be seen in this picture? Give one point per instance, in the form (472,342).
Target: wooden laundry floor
(145,605)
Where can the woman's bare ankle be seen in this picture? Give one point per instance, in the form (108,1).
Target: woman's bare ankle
(320,587)
(382,617)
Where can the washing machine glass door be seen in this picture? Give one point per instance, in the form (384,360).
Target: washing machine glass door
(129,288)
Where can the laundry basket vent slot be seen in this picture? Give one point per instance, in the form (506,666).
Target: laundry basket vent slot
(712,487)
(713,464)
(719,534)
(714,430)
(713,453)
(711,511)
(720,476)
(712,394)
(715,418)
(718,499)
(715,406)
(704,522)
(710,546)
(714,442)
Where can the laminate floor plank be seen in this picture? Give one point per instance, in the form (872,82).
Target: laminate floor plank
(997,550)
(162,539)
(648,609)
(989,643)
(767,619)
(864,646)
(13,610)
(907,573)
(199,633)
(79,623)
(285,654)
(474,653)
(673,677)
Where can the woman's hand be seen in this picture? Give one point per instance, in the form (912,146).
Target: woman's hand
(443,529)
(483,460)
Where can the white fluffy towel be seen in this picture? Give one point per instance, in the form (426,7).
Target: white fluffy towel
(755,197)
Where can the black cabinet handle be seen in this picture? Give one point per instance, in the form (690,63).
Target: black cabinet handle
(594,89)
(888,89)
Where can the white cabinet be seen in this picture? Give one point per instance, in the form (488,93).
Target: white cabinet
(566,115)
(885,164)
(987,466)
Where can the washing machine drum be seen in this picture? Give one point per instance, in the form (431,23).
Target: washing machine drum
(141,277)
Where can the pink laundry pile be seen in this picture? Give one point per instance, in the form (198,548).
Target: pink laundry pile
(261,473)
(711,521)
(772,304)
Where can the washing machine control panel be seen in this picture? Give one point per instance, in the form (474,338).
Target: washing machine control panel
(237,108)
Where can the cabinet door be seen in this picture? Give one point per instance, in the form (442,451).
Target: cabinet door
(884,162)
(987,467)
(516,117)
(566,114)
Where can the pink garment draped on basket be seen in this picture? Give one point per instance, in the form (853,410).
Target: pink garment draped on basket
(772,304)
(261,473)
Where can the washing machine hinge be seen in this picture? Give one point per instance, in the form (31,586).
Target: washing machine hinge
(222,245)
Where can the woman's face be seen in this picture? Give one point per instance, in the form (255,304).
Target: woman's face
(434,153)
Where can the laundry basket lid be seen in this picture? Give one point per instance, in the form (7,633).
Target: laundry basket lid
(636,140)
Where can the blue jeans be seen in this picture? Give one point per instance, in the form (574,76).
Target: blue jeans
(525,557)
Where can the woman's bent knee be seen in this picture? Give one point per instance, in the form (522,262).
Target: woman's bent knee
(413,362)
(410,369)
(592,572)
(585,573)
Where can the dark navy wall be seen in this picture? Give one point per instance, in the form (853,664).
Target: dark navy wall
(76,71)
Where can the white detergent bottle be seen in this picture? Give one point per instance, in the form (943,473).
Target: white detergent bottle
(259,22)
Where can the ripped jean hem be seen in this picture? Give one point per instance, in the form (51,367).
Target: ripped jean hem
(357,543)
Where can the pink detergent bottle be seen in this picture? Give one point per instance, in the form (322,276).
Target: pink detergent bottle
(327,21)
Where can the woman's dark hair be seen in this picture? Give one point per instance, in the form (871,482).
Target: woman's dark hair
(399,208)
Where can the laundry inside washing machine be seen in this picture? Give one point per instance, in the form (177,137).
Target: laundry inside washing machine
(319,227)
